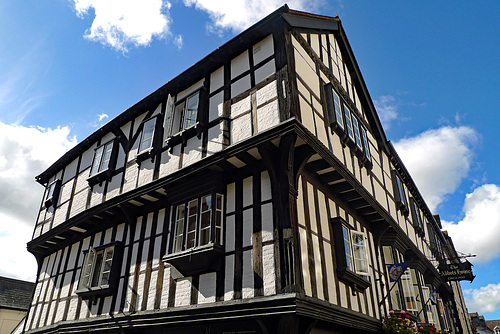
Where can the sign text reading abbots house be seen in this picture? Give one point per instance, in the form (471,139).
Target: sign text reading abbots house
(457,271)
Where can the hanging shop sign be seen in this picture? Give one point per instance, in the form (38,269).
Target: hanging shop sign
(457,271)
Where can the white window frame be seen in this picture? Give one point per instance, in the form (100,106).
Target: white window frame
(178,117)
(147,135)
(96,274)
(102,158)
(188,218)
(356,252)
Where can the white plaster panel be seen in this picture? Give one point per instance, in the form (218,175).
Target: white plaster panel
(320,129)
(306,114)
(152,291)
(230,197)
(247,288)
(73,303)
(183,292)
(145,173)
(170,161)
(315,43)
(300,204)
(267,222)
(114,186)
(265,71)
(60,214)
(269,270)
(70,171)
(330,273)
(317,267)
(268,116)
(366,180)
(97,193)
(343,294)
(144,256)
(377,170)
(312,211)
(140,291)
(263,49)
(206,288)
(156,253)
(266,93)
(120,159)
(217,79)
(59,314)
(323,216)
(192,152)
(131,174)
(247,227)
(247,191)
(240,86)
(215,139)
(166,287)
(241,107)
(348,159)
(240,64)
(265,186)
(305,261)
(230,233)
(241,128)
(216,106)
(81,181)
(229,278)
(87,158)
(66,190)
(79,203)
(304,66)
(38,231)
(84,309)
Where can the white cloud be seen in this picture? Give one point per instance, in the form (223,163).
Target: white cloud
(479,231)
(178,41)
(101,117)
(483,300)
(438,160)
(240,14)
(121,23)
(387,110)
(24,153)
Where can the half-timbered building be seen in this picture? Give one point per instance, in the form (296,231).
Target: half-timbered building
(254,193)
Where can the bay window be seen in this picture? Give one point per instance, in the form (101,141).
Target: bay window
(104,162)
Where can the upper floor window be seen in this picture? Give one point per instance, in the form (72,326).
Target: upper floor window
(100,269)
(345,122)
(183,115)
(147,135)
(104,162)
(52,193)
(399,193)
(416,216)
(352,254)
(198,222)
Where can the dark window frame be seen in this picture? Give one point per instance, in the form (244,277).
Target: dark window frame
(347,272)
(399,193)
(102,174)
(97,288)
(52,194)
(155,140)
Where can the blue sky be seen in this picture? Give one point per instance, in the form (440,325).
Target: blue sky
(69,66)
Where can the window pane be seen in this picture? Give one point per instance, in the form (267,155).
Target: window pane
(147,135)
(169,116)
(191,111)
(176,121)
(106,156)
(106,268)
(348,248)
(218,219)
(191,224)
(408,291)
(338,110)
(359,252)
(97,269)
(357,136)
(179,228)
(97,160)
(87,270)
(348,122)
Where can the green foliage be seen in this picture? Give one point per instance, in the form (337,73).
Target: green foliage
(399,322)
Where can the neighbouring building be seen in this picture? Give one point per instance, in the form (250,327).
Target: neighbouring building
(15,298)
(254,193)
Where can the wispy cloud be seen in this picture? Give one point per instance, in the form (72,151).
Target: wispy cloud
(387,109)
(121,24)
(20,93)
(178,41)
(240,14)
(438,160)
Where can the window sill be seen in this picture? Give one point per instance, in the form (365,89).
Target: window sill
(144,155)
(100,177)
(356,281)
(88,293)
(184,135)
(207,258)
